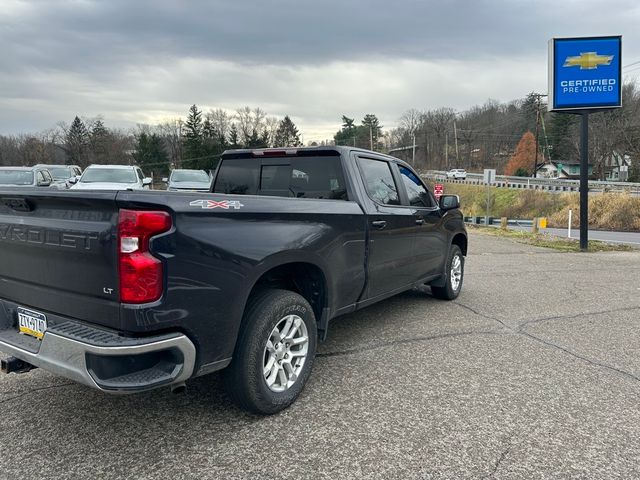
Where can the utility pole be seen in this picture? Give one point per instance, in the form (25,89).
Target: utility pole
(371,137)
(535,165)
(446,150)
(455,134)
(413,153)
(539,119)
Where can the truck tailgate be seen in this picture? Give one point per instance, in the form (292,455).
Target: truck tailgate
(58,253)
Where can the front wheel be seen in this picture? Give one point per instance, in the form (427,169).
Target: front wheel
(274,353)
(454,276)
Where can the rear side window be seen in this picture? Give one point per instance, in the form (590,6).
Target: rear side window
(379,181)
(418,195)
(299,177)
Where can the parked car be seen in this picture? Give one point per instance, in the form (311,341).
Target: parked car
(149,289)
(65,175)
(457,174)
(112,177)
(27,177)
(188,180)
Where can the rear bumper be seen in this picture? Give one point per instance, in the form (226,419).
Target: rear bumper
(104,360)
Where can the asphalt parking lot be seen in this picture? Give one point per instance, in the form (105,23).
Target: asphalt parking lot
(534,372)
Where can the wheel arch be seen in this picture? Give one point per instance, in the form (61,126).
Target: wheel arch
(460,239)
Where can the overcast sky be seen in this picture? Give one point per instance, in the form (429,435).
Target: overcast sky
(138,61)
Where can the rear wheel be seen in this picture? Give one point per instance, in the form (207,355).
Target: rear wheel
(274,354)
(454,276)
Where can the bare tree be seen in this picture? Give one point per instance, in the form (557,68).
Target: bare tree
(171,132)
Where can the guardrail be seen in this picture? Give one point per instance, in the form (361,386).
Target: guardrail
(478,220)
(548,184)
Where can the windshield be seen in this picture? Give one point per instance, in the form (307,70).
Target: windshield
(109,175)
(60,173)
(190,176)
(16,177)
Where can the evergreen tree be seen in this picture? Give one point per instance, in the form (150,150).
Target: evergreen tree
(150,154)
(257,139)
(98,139)
(287,134)
(77,140)
(560,136)
(234,137)
(374,130)
(207,129)
(193,137)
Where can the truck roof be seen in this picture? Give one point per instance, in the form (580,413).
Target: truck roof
(331,150)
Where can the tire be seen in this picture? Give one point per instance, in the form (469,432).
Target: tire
(258,347)
(453,283)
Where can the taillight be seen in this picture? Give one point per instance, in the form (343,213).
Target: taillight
(141,279)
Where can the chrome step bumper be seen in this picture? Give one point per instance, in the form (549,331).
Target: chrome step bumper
(106,361)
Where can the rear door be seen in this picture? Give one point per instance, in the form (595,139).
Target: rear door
(58,253)
(391,230)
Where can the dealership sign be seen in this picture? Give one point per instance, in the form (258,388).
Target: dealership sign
(585,73)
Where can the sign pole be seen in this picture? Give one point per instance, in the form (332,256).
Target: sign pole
(585,76)
(584,182)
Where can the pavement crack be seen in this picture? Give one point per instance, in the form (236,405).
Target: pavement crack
(501,458)
(521,331)
(484,315)
(402,341)
(588,360)
(569,317)
(34,390)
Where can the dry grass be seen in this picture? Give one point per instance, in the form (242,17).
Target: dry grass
(548,241)
(607,211)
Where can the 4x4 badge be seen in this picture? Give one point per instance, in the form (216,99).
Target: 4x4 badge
(224,204)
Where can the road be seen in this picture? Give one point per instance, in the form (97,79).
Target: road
(630,238)
(533,372)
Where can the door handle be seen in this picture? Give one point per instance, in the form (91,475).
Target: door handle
(419,221)
(379,224)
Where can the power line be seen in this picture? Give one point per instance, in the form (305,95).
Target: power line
(631,64)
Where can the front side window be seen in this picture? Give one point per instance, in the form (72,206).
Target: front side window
(418,195)
(379,181)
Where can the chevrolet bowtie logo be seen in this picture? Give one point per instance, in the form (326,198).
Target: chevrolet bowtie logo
(588,61)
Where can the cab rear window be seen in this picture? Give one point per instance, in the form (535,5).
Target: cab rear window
(298,177)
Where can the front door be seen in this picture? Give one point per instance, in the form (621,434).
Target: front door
(430,247)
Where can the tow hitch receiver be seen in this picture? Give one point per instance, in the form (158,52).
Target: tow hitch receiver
(15,365)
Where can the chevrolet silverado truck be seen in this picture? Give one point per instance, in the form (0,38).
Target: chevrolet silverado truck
(126,291)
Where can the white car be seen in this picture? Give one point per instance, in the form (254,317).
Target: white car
(112,177)
(457,173)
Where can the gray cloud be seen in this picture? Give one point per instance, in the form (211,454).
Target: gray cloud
(140,60)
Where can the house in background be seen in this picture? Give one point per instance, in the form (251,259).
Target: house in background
(616,167)
(562,170)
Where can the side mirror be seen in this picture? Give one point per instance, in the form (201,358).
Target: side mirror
(165,179)
(449,202)
(146,181)
(73,180)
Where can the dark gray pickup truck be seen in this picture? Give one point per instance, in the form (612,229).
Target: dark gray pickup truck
(128,291)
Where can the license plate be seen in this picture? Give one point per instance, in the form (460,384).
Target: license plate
(32,323)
